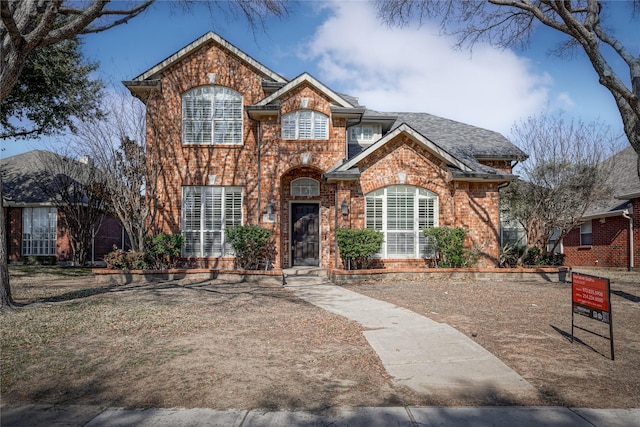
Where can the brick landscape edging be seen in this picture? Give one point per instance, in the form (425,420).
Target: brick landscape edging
(542,274)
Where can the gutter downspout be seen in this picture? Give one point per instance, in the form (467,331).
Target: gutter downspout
(258,145)
(628,216)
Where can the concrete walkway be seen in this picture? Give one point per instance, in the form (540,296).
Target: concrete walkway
(424,355)
(500,416)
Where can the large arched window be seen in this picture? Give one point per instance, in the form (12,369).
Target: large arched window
(212,115)
(401,212)
(305,124)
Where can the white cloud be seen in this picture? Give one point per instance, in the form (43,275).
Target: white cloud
(415,69)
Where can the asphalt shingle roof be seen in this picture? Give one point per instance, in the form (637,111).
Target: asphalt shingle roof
(24,175)
(623,180)
(465,142)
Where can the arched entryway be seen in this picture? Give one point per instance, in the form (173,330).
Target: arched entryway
(303,198)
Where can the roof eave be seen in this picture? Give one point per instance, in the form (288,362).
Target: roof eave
(143,89)
(628,196)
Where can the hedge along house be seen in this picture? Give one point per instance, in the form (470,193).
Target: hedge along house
(240,144)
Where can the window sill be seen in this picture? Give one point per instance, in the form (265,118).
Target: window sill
(213,145)
(584,247)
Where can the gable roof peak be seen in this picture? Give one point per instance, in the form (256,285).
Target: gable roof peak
(209,37)
(305,77)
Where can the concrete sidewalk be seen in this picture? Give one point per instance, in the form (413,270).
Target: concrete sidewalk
(424,355)
(93,416)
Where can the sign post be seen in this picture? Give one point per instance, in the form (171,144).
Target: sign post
(591,297)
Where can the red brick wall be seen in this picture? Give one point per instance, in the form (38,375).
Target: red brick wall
(609,248)
(109,234)
(13,218)
(465,204)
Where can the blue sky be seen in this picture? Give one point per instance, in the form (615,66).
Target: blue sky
(401,69)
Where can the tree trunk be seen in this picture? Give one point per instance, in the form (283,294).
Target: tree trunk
(6,300)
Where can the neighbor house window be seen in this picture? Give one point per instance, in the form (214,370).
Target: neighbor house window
(586,237)
(206,211)
(39,231)
(305,124)
(212,115)
(305,187)
(401,213)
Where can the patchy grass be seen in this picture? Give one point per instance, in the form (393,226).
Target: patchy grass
(20,272)
(168,344)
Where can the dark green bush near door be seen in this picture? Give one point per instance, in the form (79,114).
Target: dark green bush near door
(357,247)
(252,245)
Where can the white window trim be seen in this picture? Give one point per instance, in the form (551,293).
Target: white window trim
(202,231)
(291,129)
(227,130)
(382,223)
(37,244)
(357,133)
(586,228)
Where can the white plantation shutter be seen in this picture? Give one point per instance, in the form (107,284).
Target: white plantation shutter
(401,213)
(289,126)
(206,211)
(212,115)
(228,116)
(426,218)
(305,124)
(320,126)
(305,120)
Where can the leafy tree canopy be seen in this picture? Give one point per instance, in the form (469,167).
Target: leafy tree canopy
(54,89)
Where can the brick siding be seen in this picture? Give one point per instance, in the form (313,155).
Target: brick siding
(265,165)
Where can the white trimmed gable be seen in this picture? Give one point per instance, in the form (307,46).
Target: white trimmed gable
(308,78)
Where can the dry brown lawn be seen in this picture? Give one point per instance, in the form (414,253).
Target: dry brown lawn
(245,346)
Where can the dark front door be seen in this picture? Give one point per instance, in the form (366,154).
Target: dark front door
(305,234)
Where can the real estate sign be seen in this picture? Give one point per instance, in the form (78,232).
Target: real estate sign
(591,297)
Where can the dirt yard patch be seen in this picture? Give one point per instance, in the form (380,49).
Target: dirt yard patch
(246,346)
(212,344)
(528,326)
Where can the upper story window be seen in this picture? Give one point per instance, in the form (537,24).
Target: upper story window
(366,134)
(305,187)
(212,115)
(305,124)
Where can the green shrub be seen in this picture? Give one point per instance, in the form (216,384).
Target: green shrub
(252,246)
(164,250)
(509,255)
(40,260)
(119,259)
(357,247)
(449,247)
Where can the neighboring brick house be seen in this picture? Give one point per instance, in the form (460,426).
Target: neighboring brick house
(603,239)
(34,225)
(240,144)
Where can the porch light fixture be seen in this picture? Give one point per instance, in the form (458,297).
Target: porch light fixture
(270,208)
(344,207)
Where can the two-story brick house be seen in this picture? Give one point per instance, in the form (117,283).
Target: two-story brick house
(240,144)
